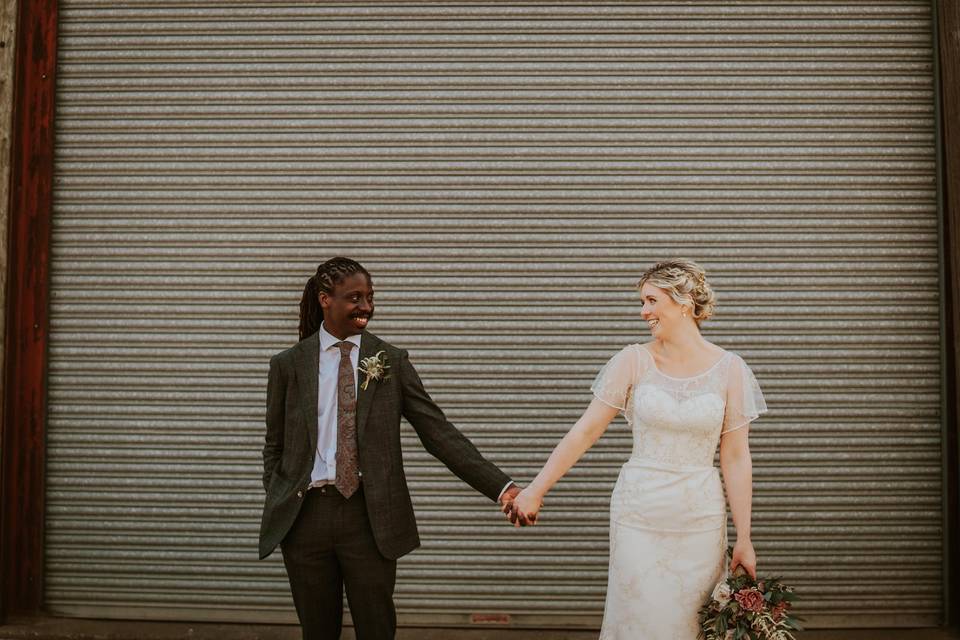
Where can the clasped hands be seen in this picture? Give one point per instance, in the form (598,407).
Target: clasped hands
(521,507)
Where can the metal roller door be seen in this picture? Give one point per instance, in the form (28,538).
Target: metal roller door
(505,172)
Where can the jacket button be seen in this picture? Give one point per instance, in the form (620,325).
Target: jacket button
(300,494)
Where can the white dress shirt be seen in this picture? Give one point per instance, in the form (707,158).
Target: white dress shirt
(325,457)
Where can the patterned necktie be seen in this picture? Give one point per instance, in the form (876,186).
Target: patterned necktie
(348,462)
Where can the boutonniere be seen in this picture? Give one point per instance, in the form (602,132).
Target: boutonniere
(374,367)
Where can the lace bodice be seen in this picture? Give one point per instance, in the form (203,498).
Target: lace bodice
(679,421)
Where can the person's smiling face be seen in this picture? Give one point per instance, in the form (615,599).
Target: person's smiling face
(349,308)
(661,312)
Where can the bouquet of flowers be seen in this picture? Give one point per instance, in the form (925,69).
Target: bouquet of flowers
(741,608)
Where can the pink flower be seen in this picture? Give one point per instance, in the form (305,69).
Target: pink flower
(750,599)
(779,610)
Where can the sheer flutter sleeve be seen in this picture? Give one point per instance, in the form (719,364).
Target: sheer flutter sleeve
(745,401)
(617,377)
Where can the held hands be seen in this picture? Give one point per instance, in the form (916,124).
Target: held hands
(744,556)
(521,507)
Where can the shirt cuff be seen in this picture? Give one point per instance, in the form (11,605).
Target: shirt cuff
(504,490)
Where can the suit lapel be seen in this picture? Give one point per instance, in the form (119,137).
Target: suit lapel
(368,347)
(307,368)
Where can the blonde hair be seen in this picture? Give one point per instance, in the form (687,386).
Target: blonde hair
(686,282)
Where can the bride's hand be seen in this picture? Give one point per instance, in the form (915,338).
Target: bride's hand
(526,506)
(744,556)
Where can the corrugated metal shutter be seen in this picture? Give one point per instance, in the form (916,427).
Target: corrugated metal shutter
(505,172)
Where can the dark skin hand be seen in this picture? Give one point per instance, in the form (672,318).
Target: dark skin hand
(506,500)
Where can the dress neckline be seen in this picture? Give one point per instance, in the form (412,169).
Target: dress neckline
(653,364)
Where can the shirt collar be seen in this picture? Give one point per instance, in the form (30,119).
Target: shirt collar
(327,340)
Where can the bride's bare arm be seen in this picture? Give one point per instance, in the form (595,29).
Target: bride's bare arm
(738,478)
(581,437)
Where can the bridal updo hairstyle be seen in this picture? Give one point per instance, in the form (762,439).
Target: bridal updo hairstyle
(328,275)
(686,282)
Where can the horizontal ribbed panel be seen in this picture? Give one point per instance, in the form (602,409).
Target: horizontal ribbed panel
(505,172)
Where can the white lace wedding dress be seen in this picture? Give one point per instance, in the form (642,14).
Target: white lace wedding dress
(667,513)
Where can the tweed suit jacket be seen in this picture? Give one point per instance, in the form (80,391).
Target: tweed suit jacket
(291,443)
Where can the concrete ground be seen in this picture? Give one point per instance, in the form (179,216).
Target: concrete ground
(50,628)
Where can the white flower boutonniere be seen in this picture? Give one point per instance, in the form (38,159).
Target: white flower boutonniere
(374,367)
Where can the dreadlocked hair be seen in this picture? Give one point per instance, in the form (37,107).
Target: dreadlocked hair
(328,275)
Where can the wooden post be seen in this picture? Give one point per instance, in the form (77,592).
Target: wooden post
(8,21)
(948,34)
(23,450)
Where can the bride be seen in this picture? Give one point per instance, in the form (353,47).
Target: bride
(680,394)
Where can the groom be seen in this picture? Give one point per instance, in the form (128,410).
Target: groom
(337,499)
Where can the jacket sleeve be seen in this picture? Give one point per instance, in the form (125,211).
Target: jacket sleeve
(443,440)
(276,397)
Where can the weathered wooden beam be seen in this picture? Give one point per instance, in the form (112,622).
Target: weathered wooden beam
(23,449)
(948,36)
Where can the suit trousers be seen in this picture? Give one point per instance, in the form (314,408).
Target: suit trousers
(331,546)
